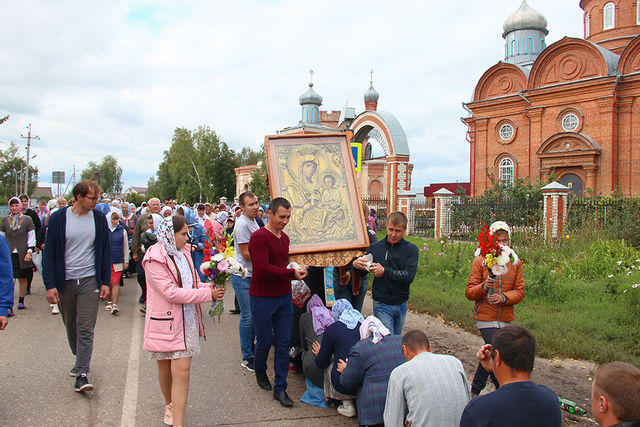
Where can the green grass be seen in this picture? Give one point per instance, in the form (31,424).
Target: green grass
(571,305)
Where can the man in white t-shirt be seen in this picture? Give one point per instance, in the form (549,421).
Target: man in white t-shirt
(245,226)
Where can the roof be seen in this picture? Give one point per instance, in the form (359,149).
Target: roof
(451,186)
(140,190)
(41,192)
(400,144)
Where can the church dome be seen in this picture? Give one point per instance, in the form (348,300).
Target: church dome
(371,94)
(310,97)
(525,17)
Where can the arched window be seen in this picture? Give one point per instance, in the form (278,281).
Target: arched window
(526,44)
(638,12)
(609,13)
(587,25)
(515,48)
(506,49)
(543,45)
(505,172)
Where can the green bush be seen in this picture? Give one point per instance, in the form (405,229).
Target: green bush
(582,294)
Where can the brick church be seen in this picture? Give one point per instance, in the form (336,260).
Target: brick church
(570,108)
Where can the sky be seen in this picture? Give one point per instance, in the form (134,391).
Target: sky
(96,78)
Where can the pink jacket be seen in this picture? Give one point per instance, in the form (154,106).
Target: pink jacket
(164,321)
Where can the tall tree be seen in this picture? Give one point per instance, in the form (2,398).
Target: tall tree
(108,173)
(12,168)
(258,183)
(197,166)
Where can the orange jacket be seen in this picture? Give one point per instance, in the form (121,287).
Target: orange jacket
(511,285)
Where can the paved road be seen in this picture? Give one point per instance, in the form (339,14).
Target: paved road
(36,389)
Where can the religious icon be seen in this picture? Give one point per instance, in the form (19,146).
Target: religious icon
(315,173)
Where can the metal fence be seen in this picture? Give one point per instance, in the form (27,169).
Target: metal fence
(467,216)
(381,208)
(598,212)
(423,218)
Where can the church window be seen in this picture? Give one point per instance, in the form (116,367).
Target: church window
(609,16)
(570,122)
(543,44)
(505,172)
(526,44)
(515,48)
(506,132)
(587,25)
(506,49)
(638,12)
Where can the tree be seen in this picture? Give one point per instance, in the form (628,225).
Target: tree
(135,198)
(108,174)
(197,167)
(12,168)
(258,183)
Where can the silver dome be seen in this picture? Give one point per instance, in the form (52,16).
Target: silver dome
(371,94)
(310,97)
(525,17)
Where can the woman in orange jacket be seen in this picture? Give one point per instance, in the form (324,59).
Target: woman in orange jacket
(494,299)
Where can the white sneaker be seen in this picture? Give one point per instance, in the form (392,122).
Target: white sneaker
(54,309)
(347,409)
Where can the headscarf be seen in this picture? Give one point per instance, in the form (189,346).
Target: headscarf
(103,207)
(116,203)
(157,220)
(222,217)
(52,204)
(165,209)
(116,210)
(372,326)
(109,218)
(320,314)
(129,213)
(189,216)
(166,235)
(343,311)
(20,200)
(15,224)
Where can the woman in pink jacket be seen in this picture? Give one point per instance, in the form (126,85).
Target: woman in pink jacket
(173,322)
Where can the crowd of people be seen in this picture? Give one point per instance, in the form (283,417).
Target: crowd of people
(369,367)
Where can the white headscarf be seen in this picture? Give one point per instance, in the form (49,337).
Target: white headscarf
(373,326)
(222,217)
(157,220)
(109,218)
(165,209)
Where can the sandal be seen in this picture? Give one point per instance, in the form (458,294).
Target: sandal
(108,306)
(114,308)
(168,414)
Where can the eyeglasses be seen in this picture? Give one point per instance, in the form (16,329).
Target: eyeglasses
(93,199)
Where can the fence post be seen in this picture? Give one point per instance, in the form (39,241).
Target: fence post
(405,205)
(555,196)
(443,198)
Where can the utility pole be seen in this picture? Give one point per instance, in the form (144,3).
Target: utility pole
(26,173)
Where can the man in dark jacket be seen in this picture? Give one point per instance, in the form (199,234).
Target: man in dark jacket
(77,270)
(394,266)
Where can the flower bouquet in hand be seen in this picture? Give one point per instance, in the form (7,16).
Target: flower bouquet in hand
(218,265)
(496,256)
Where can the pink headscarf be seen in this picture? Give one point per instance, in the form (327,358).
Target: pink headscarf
(321,315)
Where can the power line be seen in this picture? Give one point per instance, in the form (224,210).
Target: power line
(26,174)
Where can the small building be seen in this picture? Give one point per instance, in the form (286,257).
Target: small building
(40,192)
(451,186)
(135,190)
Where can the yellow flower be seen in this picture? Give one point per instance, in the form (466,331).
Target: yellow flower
(567,236)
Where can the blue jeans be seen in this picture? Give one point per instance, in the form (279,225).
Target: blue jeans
(346,292)
(245,327)
(272,320)
(391,316)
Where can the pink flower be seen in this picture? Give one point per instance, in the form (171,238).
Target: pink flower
(498,269)
(223,266)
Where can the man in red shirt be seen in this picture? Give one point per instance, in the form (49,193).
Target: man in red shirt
(270,293)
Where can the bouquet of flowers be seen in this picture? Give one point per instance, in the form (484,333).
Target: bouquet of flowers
(496,256)
(218,265)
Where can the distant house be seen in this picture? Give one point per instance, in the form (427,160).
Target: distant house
(40,192)
(451,186)
(136,190)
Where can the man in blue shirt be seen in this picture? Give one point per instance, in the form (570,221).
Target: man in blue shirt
(518,401)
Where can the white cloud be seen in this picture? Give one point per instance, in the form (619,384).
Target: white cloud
(118,77)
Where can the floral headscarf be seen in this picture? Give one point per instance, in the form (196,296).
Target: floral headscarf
(14,218)
(320,314)
(189,216)
(372,326)
(166,235)
(345,313)
(222,217)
